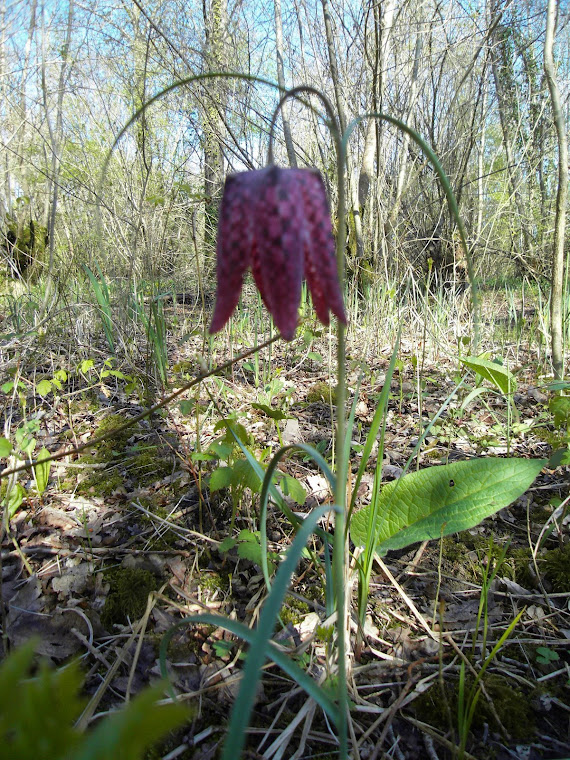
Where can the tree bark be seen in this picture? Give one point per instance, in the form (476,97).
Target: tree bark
(281,81)
(355,212)
(215,19)
(556,297)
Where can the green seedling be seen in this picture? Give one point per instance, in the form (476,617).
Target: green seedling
(546,656)
(103,298)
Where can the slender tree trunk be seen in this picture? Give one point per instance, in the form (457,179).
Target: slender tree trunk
(515,181)
(331,48)
(481,161)
(56,139)
(281,81)
(144,152)
(215,19)
(406,138)
(556,297)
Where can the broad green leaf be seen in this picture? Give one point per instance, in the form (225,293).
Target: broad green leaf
(250,550)
(37,714)
(558,385)
(232,428)
(187,406)
(222,477)
(86,365)
(496,374)
(25,436)
(275,414)
(5,447)
(129,731)
(44,387)
(245,475)
(559,458)
(227,544)
(291,487)
(442,500)
(202,456)
(220,449)
(14,499)
(560,408)
(41,470)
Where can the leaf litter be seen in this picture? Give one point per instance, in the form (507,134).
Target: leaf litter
(141,510)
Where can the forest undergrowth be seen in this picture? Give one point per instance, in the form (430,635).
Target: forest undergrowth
(465,647)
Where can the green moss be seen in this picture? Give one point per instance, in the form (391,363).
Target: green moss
(556,567)
(458,550)
(512,707)
(128,595)
(556,439)
(212,582)
(142,465)
(294,611)
(520,561)
(321,393)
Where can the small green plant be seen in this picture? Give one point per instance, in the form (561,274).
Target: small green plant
(37,716)
(154,325)
(503,384)
(469,694)
(559,407)
(546,656)
(103,297)
(24,445)
(236,470)
(249,547)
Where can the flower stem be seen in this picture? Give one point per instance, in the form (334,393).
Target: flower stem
(342,455)
(339,554)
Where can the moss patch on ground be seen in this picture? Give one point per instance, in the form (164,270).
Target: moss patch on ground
(321,393)
(138,465)
(512,707)
(556,567)
(128,595)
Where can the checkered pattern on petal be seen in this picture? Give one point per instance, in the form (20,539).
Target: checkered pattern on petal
(234,245)
(280,237)
(277,221)
(320,252)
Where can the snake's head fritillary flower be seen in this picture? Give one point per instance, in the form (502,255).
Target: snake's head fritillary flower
(277,222)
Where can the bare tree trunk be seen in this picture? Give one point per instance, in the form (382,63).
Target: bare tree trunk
(481,162)
(56,137)
(355,212)
(406,138)
(215,19)
(556,297)
(144,152)
(383,25)
(281,81)
(502,105)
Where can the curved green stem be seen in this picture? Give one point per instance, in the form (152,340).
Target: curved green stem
(171,88)
(453,207)
(294,93)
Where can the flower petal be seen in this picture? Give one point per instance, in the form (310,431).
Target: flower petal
(235,239)
(280,238)
(320,254)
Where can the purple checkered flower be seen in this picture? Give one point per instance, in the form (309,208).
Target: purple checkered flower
(277,221)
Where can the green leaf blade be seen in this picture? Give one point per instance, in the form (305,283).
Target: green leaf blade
(496,374)
(442,500)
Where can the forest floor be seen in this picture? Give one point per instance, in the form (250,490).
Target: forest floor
(130,536)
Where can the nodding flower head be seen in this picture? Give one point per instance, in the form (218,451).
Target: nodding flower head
(277,221)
